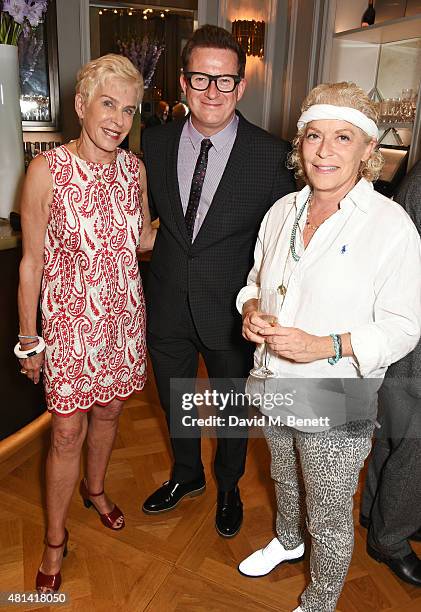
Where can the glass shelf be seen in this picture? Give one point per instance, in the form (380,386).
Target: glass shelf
(386,31)
(399,125)
(384,60)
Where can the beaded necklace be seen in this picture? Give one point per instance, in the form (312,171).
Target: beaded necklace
(283,287)
(308,224)
(294,229)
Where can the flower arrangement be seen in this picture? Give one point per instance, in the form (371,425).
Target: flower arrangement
(144,54)
(19,16)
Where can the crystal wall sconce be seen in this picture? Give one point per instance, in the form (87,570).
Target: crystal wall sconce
(250,35)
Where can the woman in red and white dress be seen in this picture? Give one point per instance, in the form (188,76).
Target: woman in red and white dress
(84,216)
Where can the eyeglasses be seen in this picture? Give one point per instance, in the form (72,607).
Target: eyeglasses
(201,81)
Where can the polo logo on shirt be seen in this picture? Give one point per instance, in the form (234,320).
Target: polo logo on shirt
(344,249)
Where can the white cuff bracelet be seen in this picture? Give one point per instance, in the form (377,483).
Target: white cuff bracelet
(32,351)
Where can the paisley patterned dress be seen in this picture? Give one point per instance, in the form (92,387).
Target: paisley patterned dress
(93,312)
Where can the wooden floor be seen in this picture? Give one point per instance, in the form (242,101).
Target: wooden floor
(174,561)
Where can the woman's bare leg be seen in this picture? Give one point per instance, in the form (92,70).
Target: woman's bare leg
(102,430)
(62,473)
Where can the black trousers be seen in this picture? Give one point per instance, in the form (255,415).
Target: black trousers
(177,357)
(392,492)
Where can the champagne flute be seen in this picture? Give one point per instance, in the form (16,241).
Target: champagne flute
(268,306)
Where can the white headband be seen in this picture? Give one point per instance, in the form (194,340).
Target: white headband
(345,113)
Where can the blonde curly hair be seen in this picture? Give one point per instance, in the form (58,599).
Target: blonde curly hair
(97,71)
(339,94)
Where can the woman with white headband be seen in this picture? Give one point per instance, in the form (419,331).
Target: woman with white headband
(345,263)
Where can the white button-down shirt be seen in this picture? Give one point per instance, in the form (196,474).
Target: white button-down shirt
(360,273)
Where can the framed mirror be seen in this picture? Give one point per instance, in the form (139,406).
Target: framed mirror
(38,65)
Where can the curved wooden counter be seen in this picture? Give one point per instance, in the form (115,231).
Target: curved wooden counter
(23,444)
(17,441)
(22,402)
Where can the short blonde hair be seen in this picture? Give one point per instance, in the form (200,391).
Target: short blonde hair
(97,71)
(339,94)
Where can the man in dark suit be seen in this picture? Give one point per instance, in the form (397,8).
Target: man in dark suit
(160,116)
(212,178)
(391,501)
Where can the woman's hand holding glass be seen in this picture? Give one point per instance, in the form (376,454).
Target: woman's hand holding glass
(264,318)
(297,345)
(288,343)
(253,324)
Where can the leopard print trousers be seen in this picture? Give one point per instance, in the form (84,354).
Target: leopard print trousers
(316,476)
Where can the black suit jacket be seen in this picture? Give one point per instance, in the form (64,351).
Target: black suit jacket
(208,273)
(153,121)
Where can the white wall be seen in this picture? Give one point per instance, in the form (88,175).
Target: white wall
(277,67)
(207,12)
(343,68)
(252,103)
(70,59)
(306,25)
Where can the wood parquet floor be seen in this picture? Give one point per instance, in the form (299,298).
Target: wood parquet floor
(173,562)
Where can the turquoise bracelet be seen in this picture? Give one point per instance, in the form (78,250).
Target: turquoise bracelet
(337,345)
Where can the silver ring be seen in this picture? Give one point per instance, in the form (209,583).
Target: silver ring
(23,371)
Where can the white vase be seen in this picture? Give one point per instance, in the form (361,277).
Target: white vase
(11,140)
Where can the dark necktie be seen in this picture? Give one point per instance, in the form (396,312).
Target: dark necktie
(196,186)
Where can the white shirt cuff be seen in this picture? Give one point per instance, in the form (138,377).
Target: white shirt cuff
(247,293)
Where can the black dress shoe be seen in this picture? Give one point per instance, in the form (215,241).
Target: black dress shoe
(408,568)
(171,493)
(229,513)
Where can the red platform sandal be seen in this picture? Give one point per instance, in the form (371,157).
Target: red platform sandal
(108,519)
(50,583)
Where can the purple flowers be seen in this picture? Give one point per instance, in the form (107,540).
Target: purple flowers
(17,16)
(16,9)
(143,54)
(35,11)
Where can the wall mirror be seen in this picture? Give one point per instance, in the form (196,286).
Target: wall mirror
(38,65)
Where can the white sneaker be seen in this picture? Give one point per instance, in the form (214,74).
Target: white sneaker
(299,609)
(266,559)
